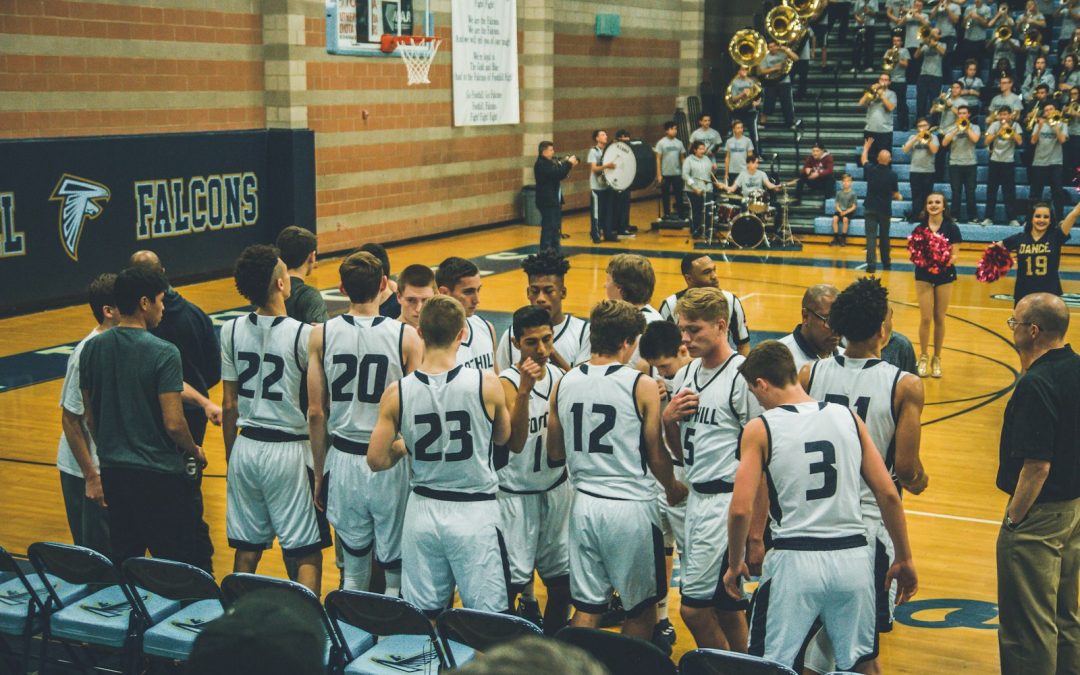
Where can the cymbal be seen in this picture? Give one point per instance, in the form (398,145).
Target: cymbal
(784,200)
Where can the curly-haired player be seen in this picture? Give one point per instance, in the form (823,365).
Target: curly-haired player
(263,356)
(890,402)
(546,272)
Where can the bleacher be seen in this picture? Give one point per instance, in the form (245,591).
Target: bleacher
(841,130)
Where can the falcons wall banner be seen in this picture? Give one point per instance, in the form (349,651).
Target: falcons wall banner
(72,208)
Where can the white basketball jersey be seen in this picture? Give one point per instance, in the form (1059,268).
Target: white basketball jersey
(571,341)
(868,387)
(447,430)
(651,315)
(266,356)
(602,432)
(477,349)
(528,470)
(814,471)
(800,349)
(710,439)
(738,332)
(361,357)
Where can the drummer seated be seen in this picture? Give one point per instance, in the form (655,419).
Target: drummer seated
(846,203)
(754,184)
(817,172)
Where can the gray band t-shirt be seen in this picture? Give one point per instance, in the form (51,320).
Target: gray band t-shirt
(922,160)
(1002,150)
(710,137)
(776,59)
(961,149)
(1048,149)
(736,149)
(879,119)
(670,151)
(931,63)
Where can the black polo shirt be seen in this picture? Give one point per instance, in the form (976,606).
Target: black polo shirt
(881,185)
(1042,421)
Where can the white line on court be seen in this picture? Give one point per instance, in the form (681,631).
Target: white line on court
(948,517)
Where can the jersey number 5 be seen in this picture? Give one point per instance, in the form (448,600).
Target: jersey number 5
(462,435)
(826,467)
(596,437)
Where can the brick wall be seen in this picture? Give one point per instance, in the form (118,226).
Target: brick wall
(389,163)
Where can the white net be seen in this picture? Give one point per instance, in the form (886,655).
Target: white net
(418,56)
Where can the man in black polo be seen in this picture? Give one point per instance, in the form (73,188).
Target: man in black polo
(882,188)
(131,383)
(548,173)
(1038,547)
(191,330)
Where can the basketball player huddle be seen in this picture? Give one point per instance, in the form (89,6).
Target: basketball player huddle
(583,451)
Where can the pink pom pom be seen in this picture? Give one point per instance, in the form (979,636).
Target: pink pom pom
(995,263)
(929,250)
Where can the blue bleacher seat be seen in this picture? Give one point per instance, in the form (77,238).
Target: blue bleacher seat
(901,230)
(903,173)
(901,208)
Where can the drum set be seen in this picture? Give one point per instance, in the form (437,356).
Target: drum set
(746,221)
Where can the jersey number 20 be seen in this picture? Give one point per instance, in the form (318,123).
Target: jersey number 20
(369,384)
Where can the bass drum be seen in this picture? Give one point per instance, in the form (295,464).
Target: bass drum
(635,165)
(747,231)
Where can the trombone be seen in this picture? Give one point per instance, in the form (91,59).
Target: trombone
(1054,118)
(1006,132)
(924,136)
(871,92)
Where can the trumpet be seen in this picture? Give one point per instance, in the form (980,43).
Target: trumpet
(1032,117)
(1032,38)
(892,57)
(940,104)
(924,136)
(1072,110)
(1007,132)
(744,98)
(1003,34)
(747,47)
(963,124)
(871,91)
(1054,119)
(784,25)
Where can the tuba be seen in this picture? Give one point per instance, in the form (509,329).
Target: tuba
(808,10)
(747,47)
(784,25)
(744,99)
(1003,33)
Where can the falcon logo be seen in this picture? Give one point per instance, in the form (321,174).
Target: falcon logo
(80,199)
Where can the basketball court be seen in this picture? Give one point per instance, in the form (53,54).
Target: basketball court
(950,625)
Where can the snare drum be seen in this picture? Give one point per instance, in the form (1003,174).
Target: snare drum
(725,213)
(757,202)
(747,231)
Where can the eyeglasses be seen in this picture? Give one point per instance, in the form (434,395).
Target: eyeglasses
(824,319)
(1013,323)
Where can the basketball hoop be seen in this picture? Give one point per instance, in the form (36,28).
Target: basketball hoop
(417,51)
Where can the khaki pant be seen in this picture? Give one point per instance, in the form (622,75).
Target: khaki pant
(1038,565)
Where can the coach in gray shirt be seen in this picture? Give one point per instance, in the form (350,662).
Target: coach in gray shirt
(1046,165)
(962,170)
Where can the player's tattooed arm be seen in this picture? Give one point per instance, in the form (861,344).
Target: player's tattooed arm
(317,407)
(495,401)
(384,449)
(892,512)
(909,406)
(229,414)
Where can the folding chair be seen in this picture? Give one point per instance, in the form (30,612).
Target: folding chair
(195,590)
(481,630)
(341,646)
(104,618)
(621,654)
(720,662)
(23,610)
(407,640)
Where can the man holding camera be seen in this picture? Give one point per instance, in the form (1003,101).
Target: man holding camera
(548,173)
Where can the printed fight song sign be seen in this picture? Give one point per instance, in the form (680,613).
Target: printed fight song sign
(485,62)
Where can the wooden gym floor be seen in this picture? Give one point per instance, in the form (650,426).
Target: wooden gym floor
(953,525)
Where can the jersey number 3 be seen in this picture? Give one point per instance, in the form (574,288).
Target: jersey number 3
(462,435)
(826,467)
